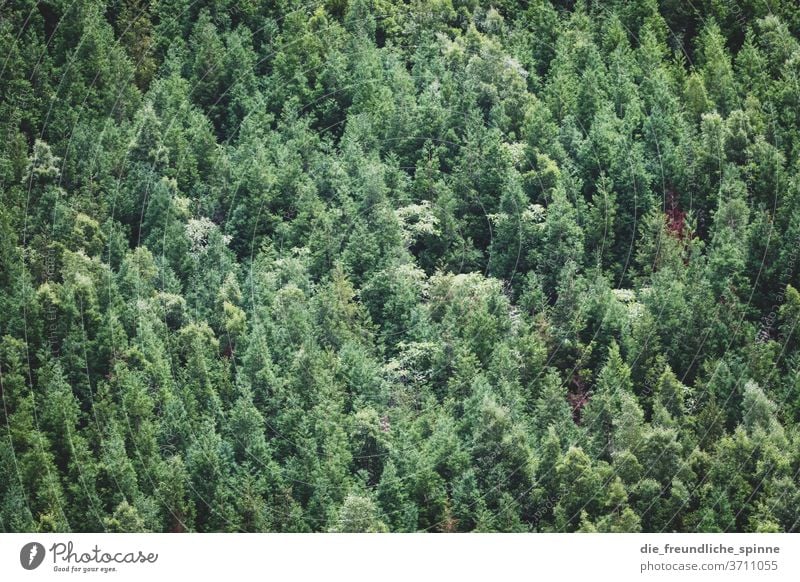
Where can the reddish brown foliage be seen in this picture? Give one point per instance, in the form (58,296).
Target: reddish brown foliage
(577,396)
(676,218)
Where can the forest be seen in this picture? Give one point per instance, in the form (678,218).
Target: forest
(399,266)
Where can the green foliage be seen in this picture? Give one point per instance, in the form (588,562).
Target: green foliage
(381,265)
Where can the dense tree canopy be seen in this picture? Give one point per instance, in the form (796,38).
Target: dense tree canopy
(399,265)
